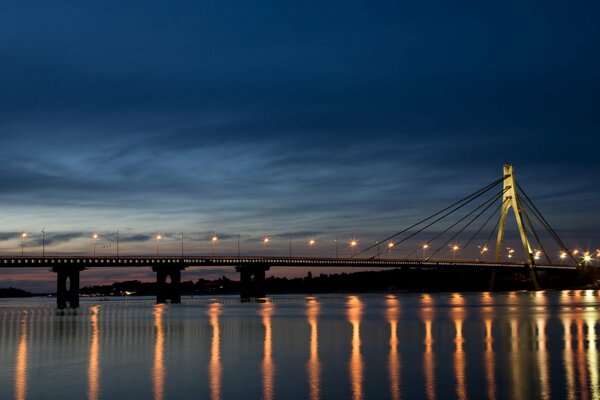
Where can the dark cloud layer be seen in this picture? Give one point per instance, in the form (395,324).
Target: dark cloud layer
(274,117)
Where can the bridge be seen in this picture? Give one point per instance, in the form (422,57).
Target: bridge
(252,270)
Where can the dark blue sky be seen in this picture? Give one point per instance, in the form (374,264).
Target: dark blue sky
(305,117)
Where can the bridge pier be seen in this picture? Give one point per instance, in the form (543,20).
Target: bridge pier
(168,290)
(252,280)
(66,294)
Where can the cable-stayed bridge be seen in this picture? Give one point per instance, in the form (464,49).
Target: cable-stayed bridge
(479,218)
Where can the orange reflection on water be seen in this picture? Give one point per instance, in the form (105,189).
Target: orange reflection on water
(354,310)
(427,312)
(158,370)
(215,369)
(581,361)
(392,313)
(593,357)
(314,365)
(540,324)
(568,359)
(517,376)
(21,364)
(459,354)
(268,367)
(94,361)
(490,366)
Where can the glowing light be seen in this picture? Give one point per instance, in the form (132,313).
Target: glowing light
(575,252)
(390,245)
(94,236)
(425,246)
(158,237)
(312,242)
(214,238)
(266,239)
(23,234)
(563,255)
(353,243)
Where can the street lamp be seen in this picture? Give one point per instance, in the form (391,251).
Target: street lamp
(94,237)
(213,243)
(483,249)
(337,248)
(587,257)
(181,235)
(117,244)
(454,249)
(537,254)
(311,243)
(265,241)
(425,247)
(352,244)
(390,246)
(563,256)
(23,236)
(510,252)
(44,242)
(158,237)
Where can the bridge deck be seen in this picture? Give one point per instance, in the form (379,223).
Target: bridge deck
(205,261)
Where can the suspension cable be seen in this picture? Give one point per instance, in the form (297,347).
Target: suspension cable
(453,207)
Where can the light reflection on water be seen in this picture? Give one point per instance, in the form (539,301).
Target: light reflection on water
(268,367)
(314,366)
(356,363)
(215,369)
(466,346)
(94,362)
(158,371)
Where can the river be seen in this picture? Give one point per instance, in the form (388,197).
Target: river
(517,345)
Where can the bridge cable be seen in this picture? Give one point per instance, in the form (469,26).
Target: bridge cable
(491,202)
(484,224)
(540,223)
(539,215)
(533,232)
(447,229)
(457,204)
(492,199)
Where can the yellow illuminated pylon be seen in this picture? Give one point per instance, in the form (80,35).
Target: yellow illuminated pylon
(510,199)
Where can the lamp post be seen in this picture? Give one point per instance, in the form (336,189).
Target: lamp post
(510,252)
(23,236)
(425,247)
(117,244)
(337,248)
(483,249)
(563,255)
(390,246)
(158,237)
(213,244)
(311,244)
(455,249)
(94,237)
(181,236)
(265,241)
(44,242)
(352,244)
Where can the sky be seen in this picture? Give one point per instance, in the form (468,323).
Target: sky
(296,118)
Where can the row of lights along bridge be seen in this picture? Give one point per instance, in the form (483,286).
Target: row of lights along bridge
(586,256)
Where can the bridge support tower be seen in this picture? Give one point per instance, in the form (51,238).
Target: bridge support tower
(252,280)
(511,199)
(67,294)
(168,290)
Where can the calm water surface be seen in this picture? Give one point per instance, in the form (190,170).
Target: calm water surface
(539,345)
